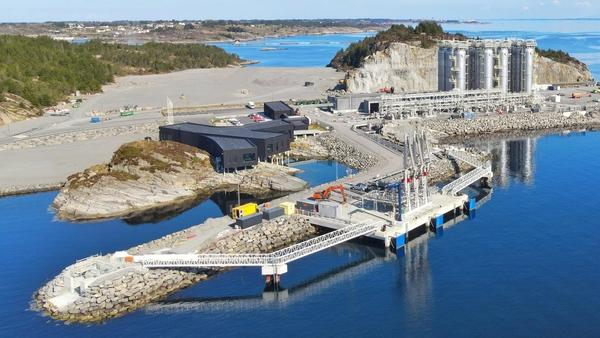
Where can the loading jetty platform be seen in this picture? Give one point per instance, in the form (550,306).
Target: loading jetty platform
(400,210)
(412,207)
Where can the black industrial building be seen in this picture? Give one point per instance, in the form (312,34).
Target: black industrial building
(233,147)
(278,110)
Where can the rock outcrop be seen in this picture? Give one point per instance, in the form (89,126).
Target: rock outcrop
(145,175)
(549,71)
(405,67)
(409,68)
(15,108)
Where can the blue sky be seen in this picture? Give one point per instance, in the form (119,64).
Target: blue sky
(56,10)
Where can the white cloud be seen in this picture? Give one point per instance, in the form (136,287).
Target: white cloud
(525,8)
(583,4)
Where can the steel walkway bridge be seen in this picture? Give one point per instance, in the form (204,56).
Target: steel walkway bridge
(482,169)
(274,263)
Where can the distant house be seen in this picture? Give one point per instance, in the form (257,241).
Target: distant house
(278,110)
(234,148)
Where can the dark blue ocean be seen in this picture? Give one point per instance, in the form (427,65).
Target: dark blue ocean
(525,266)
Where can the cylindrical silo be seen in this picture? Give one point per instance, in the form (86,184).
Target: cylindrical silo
(488,69)
(461,68)
(528,75)
(503,69)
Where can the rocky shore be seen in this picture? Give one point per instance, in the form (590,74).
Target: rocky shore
(329,146)
(512,122)
(134,286)
(145,175)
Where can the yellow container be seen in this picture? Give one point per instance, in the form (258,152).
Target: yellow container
(244,210)
(289,208)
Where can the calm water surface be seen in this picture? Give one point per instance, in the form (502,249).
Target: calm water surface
(581,38)
(526,266)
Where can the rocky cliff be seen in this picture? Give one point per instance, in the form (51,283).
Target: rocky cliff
(548,71)
(409,68)
(402,66)
(15,108)
(145,175)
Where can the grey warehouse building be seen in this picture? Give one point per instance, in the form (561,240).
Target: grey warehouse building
(233,147)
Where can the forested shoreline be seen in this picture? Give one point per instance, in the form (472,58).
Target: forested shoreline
(44,71)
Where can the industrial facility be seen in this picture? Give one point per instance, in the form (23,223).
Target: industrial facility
(486,64)
(234,148)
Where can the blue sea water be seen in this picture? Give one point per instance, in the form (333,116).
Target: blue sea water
(581,38)
(525,266)
(293,51)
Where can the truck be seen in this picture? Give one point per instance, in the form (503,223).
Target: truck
(244,210)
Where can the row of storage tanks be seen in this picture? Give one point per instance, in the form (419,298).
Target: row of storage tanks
(486,64)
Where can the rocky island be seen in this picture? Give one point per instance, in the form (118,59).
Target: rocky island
(145,175)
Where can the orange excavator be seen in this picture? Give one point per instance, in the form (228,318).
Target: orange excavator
(323,195)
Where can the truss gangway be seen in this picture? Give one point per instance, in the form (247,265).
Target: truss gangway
(275,259)
(482,169)
(465,157)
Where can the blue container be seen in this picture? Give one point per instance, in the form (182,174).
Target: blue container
(95,119)
(472,204)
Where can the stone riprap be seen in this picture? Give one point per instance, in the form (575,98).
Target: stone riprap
(344,153)
(136,287)
(513,122)
(146,129)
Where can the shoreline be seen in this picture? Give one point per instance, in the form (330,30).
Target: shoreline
(30,189)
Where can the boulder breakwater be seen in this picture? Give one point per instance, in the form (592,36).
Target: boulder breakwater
(113,288)
(512,122)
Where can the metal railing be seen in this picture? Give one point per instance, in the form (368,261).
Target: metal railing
(282,256)
(466,180)
(465,157)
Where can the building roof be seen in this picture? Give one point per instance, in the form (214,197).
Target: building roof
(230,132)
(278,106)
(266,125)
(231,143)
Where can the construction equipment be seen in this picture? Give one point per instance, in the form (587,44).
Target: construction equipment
(325,194)
(244,210)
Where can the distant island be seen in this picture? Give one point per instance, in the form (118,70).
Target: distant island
(179,31)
